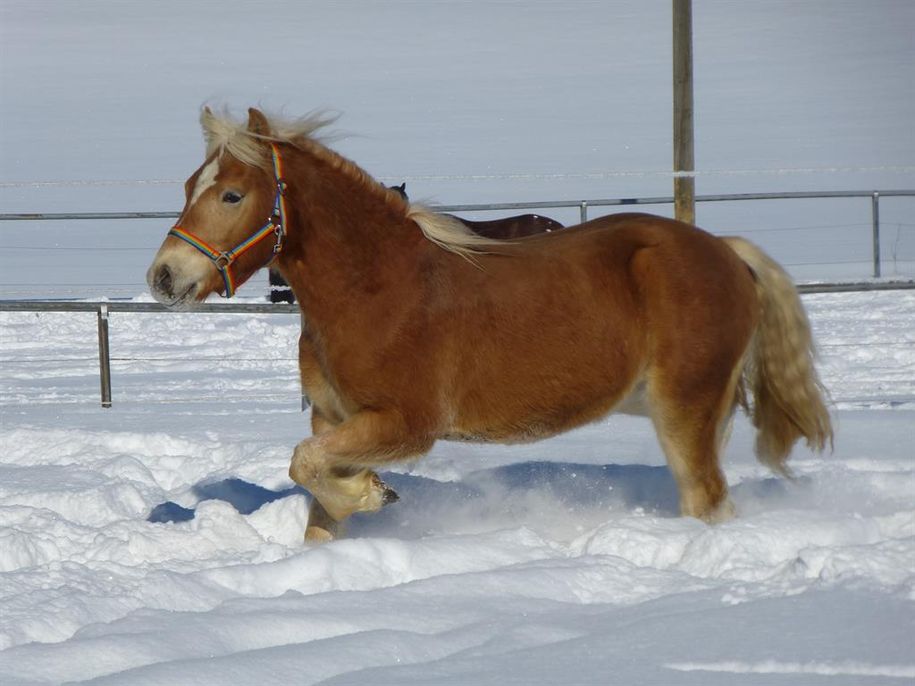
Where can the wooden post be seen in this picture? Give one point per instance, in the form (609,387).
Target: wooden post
(684,161)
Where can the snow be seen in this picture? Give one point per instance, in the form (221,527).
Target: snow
(562,561)
(521,564)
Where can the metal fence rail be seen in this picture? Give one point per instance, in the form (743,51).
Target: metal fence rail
(103,309)
(582,205)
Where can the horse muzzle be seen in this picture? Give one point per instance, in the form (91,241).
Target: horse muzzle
(170,288)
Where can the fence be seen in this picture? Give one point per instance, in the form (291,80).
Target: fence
(102,309)
(582,205)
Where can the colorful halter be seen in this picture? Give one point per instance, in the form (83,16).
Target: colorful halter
(276,224)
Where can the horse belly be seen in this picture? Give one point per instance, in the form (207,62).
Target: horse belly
(543,397)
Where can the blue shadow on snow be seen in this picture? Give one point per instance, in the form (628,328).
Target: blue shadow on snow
(571,486)
(242,495)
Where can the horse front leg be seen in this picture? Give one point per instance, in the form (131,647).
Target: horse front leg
(334,466)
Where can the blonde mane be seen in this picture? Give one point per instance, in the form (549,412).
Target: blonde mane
(449,232)
(222,133)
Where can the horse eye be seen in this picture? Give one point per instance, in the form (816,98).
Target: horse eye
(232,197)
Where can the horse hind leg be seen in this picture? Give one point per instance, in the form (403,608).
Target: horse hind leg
(692,428)
(321,526)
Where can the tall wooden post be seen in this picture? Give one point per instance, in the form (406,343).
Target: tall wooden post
(684,161)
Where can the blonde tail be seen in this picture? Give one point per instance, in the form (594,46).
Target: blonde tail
(788,398)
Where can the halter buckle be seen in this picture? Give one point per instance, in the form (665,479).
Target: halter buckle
(223,260)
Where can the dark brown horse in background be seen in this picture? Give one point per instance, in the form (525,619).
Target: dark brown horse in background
(416,329)
(502,229)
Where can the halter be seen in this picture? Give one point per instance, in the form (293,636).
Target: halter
(276,224)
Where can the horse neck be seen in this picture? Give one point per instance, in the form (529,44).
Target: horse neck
(347,236)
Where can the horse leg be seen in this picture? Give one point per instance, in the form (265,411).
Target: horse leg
(333,466)
(693,427)
(321,526)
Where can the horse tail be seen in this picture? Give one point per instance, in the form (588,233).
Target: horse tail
(788,399)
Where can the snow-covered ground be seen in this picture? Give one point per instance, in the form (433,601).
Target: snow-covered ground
(558,562)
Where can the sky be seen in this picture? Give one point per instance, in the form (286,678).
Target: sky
(469,102)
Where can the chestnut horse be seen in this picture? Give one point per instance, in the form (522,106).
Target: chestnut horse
(416,329)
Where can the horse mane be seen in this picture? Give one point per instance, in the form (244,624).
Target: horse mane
(449,232)
(225,134)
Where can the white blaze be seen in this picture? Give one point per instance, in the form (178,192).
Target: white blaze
(206,179)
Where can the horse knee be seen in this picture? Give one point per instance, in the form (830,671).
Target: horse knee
(307,464)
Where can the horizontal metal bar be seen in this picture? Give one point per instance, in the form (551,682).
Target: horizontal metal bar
(130,306)
(267,308)
(668,200)
(542,204)
(52,216)
(856,287)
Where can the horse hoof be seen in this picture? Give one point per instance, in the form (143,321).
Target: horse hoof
(317,534)
(724,512)
(389,496)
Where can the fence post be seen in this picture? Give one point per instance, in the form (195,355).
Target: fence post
(104,357)
(684,155)
(875,219)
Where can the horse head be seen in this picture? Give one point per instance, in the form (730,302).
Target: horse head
(232,223)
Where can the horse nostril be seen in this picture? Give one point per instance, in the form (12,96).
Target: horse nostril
(164,279)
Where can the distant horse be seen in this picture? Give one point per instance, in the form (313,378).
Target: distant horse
(417,329)
(503,229)
(512,227)
(507,228)
(280,292)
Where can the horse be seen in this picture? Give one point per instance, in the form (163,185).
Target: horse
(511,228)
(416,329)
(508,228)
(280,292)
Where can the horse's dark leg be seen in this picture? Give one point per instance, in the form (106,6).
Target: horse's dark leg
(280,292)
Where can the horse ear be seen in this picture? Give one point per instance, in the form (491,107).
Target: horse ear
(206,119)
(257,123)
